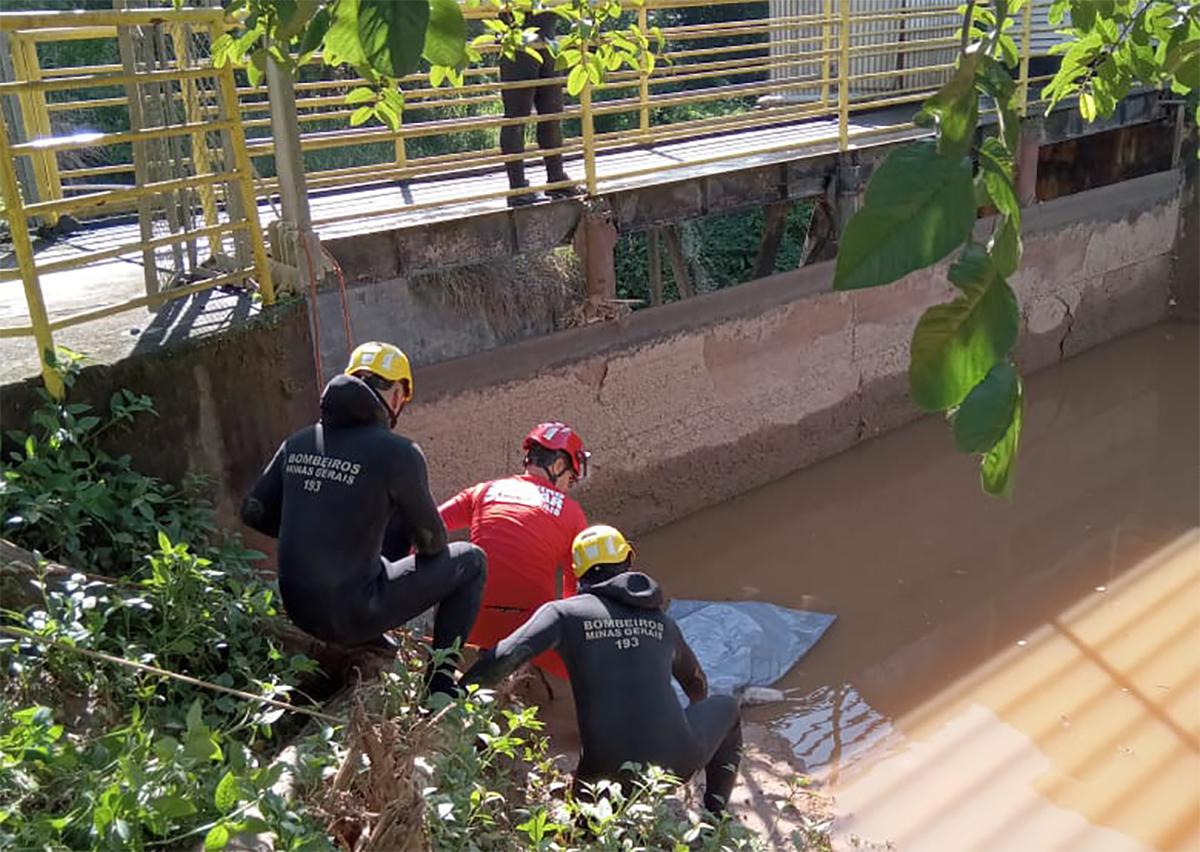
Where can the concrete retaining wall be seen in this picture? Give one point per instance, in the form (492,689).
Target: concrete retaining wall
(690,404)
(684,405)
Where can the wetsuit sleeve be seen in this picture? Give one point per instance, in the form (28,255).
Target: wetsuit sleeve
(539,634)
(686,669)
(263,507)
(409,492)
(458,510)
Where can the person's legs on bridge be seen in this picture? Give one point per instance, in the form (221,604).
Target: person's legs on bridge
(518,103)
(548,100)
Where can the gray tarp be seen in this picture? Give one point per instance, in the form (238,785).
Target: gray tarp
(746,643)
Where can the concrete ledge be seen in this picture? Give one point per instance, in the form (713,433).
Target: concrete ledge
(1111,204)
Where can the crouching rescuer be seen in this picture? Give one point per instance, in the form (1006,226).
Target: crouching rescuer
(621,650)
(362,549)
(526,525)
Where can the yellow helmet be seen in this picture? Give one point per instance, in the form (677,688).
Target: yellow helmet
(598,545)
(382,359)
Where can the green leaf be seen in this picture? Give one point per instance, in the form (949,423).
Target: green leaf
(1087,106)
(997,471)
(388,115)
(997,168)
(956,107)
(392,34)
(164,544)
(446,34)
(956,344)
(576,80)
(221,50)
(315,33)
(970,268)
(919,206)
(227,793)
(1009,53)
(1187,73)
(360,95)
(361,115)
(256,67)
(173,807)
(294,16)
(986,413)
(342,45)
(994,81)
(1005,246)
(217,838)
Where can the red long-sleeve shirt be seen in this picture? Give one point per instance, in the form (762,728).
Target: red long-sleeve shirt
(525,526)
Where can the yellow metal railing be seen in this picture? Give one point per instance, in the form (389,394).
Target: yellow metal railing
(828,58)
(212,183)
(821,62)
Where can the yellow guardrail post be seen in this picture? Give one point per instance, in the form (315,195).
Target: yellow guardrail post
(644,78)
(36,117)
(401,147)
(1026,38)
(201,162)
(844,76)
(589,131)
(23,249)
(245,181)
(826,46)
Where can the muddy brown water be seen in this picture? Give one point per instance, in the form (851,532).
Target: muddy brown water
(1001,676)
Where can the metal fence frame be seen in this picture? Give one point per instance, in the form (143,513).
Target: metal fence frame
(849,56)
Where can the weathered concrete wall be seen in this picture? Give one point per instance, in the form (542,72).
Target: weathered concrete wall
(683,405)
(690,404)
(458,311)
(223,402)
(1185,273)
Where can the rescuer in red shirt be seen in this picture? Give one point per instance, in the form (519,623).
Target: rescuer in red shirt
(525,524)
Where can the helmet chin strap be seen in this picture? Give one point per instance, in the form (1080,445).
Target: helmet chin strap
(394,416)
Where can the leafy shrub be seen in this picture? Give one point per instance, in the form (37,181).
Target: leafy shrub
(62,495)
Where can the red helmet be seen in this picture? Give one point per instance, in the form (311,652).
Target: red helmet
(560,436)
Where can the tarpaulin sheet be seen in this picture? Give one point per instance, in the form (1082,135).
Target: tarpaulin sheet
(746,643)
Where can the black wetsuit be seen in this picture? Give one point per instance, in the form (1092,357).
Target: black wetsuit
(346,498)
(621,651)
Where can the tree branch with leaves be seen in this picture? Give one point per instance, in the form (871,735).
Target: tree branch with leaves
(385,40)
(921,203)
(920,208)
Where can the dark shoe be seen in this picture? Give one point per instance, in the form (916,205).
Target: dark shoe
(525,199)
(442,690)
(565,192)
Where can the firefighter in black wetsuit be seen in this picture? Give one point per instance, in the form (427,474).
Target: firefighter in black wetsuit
(621,650)
(362,549)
